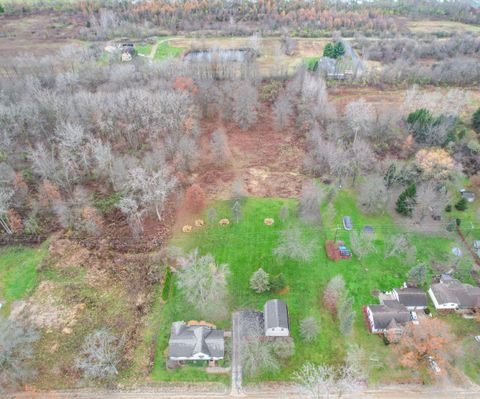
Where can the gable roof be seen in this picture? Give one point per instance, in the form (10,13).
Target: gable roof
(411,296)
(389,315)
(189,341)
(453,291)
(276,314)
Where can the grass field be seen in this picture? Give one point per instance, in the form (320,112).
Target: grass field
(18,272)
(248,245)
(427,26)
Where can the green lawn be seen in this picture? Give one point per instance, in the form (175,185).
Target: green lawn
(18,271)
(165,50)
(248,245)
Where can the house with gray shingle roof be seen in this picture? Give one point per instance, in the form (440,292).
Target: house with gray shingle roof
(389,316)
(195,342)
(276,322)
(450,293)
(412,298)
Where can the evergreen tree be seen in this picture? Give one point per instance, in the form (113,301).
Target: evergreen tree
(420,121)
(406,201)
(329,51)
(338,50)
(390,176)
(476,120)
(461,205)
(260,281)
(346,315)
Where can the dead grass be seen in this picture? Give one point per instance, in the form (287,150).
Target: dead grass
(428,26)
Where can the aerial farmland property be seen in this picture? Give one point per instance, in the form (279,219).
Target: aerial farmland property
(233,198)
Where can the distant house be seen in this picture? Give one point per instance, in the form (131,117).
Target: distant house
(387,317)
(450,293)
(276,321)
(195,342)
(411,298)
(468,195)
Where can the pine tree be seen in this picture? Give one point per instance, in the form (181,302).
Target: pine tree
(328,51)
(406,201)
(461,205)
(390,176)
(278,282)
(338,50)
(476,120)
(260,281)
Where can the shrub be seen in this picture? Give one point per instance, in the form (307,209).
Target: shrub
(278,282)
(448,208)
(100,356)
(260,281)
(309,329)
(195,198)
(270,91)
(461,205)
(283,348)
(417,275)
(476,120)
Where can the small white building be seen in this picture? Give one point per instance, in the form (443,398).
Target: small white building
(276,319)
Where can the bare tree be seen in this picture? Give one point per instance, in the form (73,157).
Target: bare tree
(6,195)
(333,293)
(204,283)
(324,381)
(260,281)
(282,111)
(292,245)
(396,245)
(309,329)
(100,355)
(346,315)
(362,243)
(245,104)
(360,117)
(219,148)
(288,45)
(430,201)
(310,201)
(373,195)
(16,349)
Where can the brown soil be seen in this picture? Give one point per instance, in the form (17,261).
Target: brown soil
(266,161)
(40,34)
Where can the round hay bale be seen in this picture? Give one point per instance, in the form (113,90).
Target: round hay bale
(269,221)
(199,223)
(187,228)
(223,222)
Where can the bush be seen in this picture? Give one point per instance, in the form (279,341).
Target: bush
(309,329)
(283,348)
(476,120)
(461,205)
(167,284)
(278,282)
(195,198)
(448,208)
(271,90)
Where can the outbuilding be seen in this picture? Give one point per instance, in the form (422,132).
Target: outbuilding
(276,319)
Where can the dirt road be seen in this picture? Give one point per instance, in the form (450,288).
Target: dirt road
(396,392)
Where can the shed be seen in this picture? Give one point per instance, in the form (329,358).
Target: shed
(276,319)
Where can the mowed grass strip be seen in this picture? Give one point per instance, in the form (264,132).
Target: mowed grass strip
(248,245)
(18,271)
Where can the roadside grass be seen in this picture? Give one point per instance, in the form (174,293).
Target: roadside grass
(248,245)
(18,271)
(144,50)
